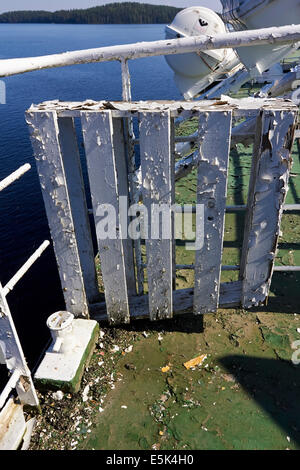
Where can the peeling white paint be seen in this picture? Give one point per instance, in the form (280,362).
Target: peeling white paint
(157,166)
(105,184)
(268,187)
(214,145)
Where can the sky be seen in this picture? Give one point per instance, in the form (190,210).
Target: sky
(9,5)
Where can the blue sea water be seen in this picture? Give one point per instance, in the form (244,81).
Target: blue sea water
(22,216)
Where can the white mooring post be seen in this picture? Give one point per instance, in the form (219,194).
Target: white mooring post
(214,146)
(157,167)
(49,159)
(267,191)
(101,150)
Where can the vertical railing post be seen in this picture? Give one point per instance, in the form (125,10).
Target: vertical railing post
(126,83)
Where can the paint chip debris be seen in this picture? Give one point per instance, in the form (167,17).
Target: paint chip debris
(228,377)
(197,361)
(59,395)
(85,393)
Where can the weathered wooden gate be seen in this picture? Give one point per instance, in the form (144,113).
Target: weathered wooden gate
(111,150)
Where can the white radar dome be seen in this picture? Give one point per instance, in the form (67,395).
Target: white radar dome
(195,71)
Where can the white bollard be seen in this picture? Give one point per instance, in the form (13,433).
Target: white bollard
(61,326)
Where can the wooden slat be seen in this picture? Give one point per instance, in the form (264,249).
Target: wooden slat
(267,191)
(173,214)
(122,172)
(156,165)
(46,145)
(76,191)
(230,296)
(244,108)
(101,150)
(130,246)
(214,145)
(134,197)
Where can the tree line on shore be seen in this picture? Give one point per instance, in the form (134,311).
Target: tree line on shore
(113,13)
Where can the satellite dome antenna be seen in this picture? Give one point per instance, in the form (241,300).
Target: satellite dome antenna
(196,72)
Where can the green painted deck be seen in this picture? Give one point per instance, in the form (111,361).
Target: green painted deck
(245,396)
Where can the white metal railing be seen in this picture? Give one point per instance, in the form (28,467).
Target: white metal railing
(14,176)
(20,273)
(275,35)
(11,350)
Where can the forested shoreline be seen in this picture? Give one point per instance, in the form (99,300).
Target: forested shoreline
(114,13)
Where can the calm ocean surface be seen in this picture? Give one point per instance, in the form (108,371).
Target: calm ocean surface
(23,221)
